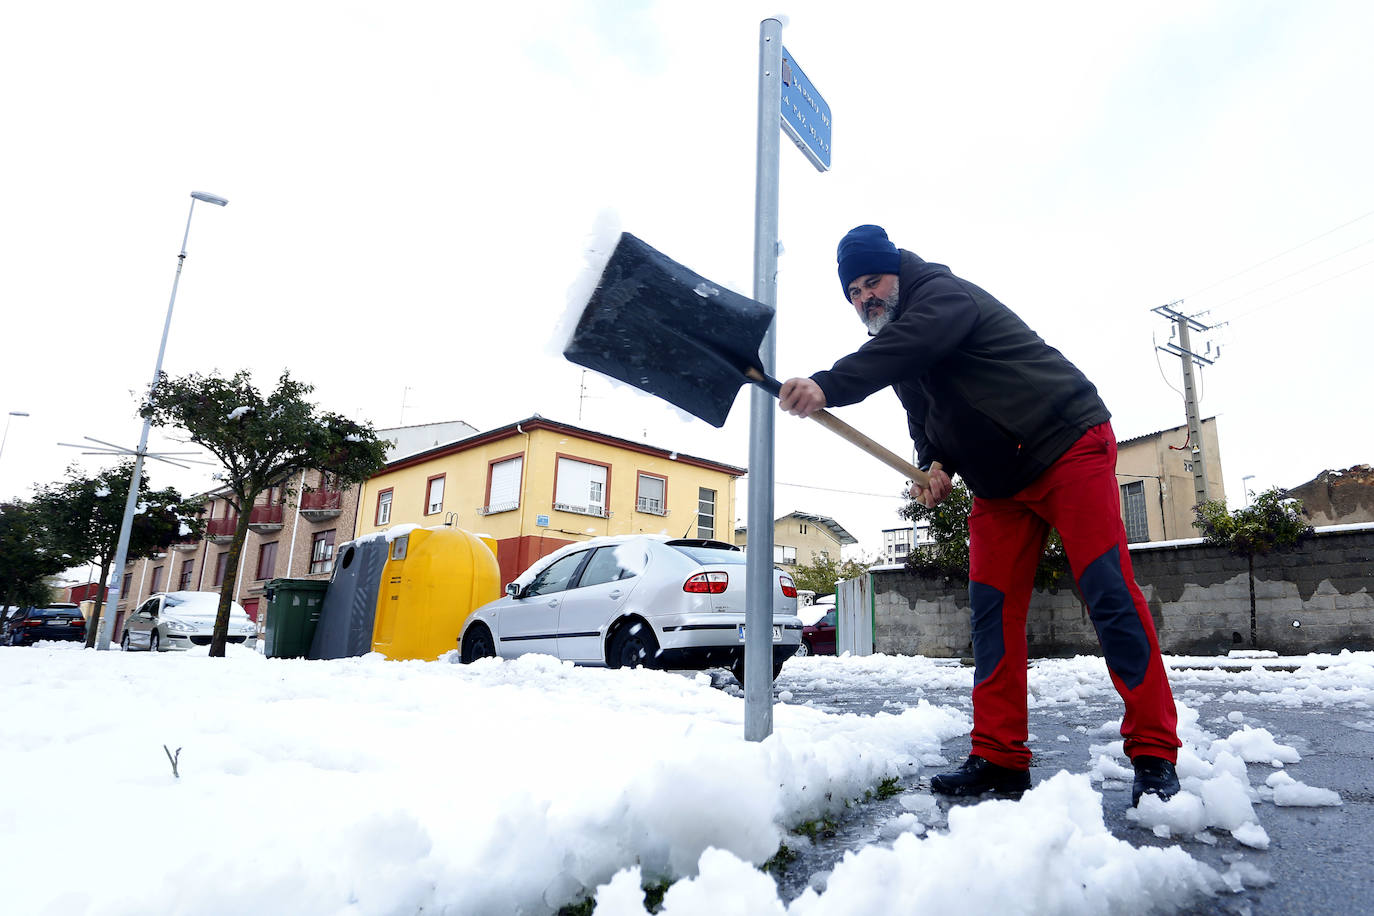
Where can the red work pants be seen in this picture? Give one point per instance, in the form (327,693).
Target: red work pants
(1078,497)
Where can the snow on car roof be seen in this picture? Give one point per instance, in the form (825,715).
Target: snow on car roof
(200,603)
(604,540)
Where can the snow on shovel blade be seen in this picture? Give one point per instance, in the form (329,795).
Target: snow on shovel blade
(664,329)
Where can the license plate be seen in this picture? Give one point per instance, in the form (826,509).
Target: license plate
(777,633)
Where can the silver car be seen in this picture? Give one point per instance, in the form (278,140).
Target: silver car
(633,600)
(180,620)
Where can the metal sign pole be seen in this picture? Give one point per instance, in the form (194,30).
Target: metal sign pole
(758,617)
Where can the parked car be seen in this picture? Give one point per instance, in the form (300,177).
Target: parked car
(28,625)
(819,638)
(630,600)
(180,620)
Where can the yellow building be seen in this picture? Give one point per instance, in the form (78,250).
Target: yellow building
(1155,474)
(538,484)
(802,537)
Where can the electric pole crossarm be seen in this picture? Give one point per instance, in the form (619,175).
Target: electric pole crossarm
(1173,350)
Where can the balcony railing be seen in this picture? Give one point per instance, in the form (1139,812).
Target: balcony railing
(321,504)
(266,518)
(598,511)
(185,542)
(507,506)
(221,529)
(650,506)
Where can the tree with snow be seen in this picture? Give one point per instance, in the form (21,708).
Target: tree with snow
(261,442)
(83,515)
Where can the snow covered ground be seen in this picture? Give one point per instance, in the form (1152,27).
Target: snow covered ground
(366,786)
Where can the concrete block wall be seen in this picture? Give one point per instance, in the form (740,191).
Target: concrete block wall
(1319,598)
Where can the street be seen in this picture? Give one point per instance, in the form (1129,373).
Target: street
(1319,859)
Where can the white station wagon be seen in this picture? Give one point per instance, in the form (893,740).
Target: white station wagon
(171,621)
(633,600)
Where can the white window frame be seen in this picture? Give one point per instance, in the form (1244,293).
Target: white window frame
(434,505)
(503,485)
(581,487)
(651,504)
(324,559)
(706,509)
(784,555)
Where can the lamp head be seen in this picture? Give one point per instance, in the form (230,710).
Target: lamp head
(209,198)
(18,413)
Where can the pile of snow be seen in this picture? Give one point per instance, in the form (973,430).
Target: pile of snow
(1048,853)
(369,786)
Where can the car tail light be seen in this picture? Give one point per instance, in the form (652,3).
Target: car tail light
(789,588)
(707,583)
(34,622)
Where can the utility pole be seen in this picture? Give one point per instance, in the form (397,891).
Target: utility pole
(1183,350)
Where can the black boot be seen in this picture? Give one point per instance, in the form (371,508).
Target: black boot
(1154,775)
(977,776)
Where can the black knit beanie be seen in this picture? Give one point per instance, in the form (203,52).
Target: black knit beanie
(866,250)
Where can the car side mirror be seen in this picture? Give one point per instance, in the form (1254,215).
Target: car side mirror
(513,589)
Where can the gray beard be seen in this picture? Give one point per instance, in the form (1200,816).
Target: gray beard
(882,319)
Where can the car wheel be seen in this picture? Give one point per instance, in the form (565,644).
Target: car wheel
(153,641)
(737,669)
(477,643)
(124,643)
(803,650)
(633,646)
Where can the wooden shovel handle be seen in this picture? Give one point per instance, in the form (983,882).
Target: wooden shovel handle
(849,433)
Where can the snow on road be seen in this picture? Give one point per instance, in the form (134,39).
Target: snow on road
(365,786)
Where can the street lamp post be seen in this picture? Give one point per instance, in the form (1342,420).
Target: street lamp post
(8,420)
(126,526)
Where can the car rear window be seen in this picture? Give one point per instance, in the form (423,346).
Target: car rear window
(710,554)
(57,612)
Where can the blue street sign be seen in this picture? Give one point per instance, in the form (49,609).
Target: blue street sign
(805,115)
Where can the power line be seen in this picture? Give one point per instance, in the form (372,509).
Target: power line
(1280,254)
(1303,290)
(1154,340)
(804,486)
(1290,276)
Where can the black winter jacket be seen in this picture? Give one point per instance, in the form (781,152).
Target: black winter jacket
(984,395)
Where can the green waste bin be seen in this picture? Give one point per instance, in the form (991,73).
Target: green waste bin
(293,610)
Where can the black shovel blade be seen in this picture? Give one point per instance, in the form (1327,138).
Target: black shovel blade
(664,329)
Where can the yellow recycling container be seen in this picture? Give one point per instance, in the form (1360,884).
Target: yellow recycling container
(433,579)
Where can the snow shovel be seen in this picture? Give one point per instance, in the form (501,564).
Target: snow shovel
(654,324)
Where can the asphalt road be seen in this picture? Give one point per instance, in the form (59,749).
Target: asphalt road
(1319,861)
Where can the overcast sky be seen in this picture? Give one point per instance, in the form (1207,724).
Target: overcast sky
(412,187)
